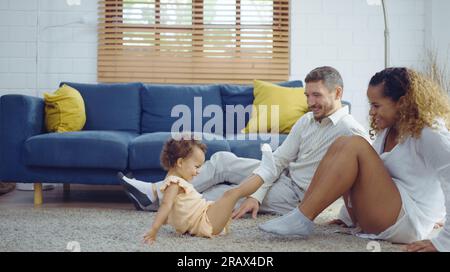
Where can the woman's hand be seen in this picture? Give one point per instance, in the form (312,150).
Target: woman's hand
(421,246)
(150,236)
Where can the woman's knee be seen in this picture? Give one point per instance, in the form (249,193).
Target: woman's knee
(349,142)
(340,143)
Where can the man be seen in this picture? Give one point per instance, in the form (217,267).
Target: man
(295,161)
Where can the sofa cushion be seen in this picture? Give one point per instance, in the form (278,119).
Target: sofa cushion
(79,149)
(291,103)
(111,106)
(64,110)
(243,95)
(145,150)
(249,145)
(159,100)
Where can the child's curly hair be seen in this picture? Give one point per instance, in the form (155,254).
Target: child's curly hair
(423,100)
(175,149)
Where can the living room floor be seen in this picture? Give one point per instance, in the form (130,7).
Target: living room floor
(80,196)
(101,218)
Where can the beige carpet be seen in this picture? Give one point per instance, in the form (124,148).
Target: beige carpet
(57,229)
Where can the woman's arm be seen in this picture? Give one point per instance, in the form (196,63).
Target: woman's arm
(163,212)
(435,148)
(442,241)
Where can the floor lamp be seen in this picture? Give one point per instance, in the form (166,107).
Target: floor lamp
(382,3)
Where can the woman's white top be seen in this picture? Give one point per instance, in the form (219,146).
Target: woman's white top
(421,170)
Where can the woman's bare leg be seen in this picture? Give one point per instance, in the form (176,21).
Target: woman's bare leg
(352,165)
(219,212)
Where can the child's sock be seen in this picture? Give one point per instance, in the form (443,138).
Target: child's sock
(292,223)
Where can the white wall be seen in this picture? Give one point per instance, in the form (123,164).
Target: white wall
(346,34)
(437,33)
(66,53)
(349,35)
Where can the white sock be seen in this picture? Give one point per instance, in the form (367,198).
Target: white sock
(292,223)
(145,187)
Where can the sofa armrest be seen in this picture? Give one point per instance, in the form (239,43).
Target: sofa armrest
(21,117)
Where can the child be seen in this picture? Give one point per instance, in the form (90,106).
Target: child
(182,206)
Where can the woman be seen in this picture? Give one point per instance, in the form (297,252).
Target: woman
(399,188)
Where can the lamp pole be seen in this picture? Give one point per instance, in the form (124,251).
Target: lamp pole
(386,36)
(382,3)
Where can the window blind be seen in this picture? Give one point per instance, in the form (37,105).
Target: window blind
(193,41)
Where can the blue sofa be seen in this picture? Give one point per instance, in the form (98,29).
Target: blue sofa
(125,129)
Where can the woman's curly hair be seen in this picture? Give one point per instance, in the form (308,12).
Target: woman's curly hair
(423,100)
(174,149)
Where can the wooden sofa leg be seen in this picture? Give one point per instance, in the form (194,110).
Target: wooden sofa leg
(37,194)
(66,188)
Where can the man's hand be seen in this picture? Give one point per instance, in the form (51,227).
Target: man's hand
(249,205)
(421,246)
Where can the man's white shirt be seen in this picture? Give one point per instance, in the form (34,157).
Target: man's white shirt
(305,146)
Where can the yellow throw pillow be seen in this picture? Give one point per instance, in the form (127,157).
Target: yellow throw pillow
(64,110)
(291,104)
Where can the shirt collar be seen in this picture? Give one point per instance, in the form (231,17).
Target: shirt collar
(336,116)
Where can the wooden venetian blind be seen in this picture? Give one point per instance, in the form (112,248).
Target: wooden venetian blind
(193,41)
